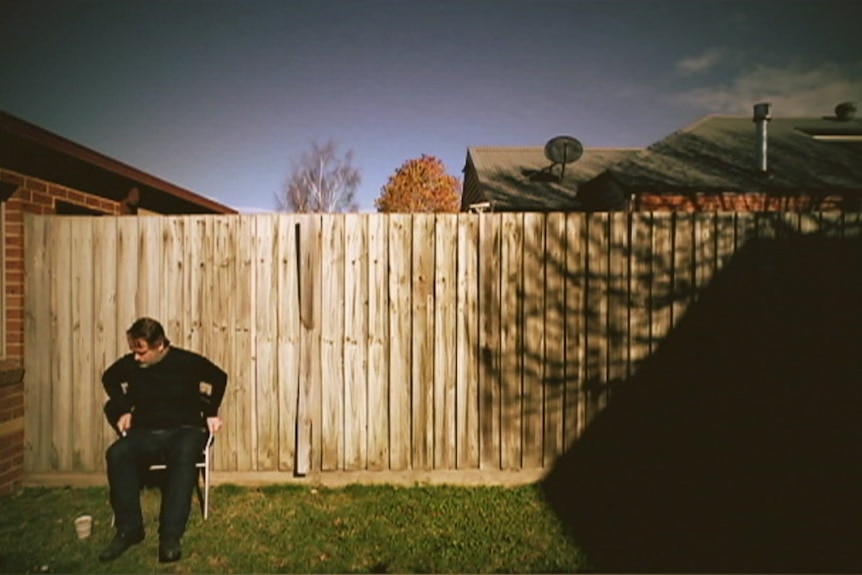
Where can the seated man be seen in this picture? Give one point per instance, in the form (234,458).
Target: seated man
(159,415)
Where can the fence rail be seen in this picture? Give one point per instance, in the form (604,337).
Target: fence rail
(368,341)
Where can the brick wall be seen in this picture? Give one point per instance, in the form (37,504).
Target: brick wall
(33,196)
(11,425)
(737,202)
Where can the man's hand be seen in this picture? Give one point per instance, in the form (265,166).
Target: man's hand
(124,423)
(214,424)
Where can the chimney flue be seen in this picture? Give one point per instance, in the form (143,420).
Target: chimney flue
(761,118)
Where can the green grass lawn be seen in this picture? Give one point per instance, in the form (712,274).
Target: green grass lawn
(301,529)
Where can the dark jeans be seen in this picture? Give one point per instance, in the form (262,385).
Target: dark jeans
(180,449)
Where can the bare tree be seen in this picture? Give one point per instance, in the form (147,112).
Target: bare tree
(321,182)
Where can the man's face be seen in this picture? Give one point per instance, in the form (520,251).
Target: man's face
(144,354)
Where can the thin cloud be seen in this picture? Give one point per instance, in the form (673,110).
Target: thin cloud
(792,92)
(702,63)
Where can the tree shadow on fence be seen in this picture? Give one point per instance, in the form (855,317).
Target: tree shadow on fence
(737,445)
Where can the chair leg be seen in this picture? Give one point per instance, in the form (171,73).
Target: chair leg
(206,491)
(206,472)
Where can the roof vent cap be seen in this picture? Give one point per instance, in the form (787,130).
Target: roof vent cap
(761,112)
(845,111)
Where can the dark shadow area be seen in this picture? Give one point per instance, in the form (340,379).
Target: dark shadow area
(545,174)
(737,446)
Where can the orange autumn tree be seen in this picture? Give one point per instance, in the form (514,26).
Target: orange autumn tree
(420,185)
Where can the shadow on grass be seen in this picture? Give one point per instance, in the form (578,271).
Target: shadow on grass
(737,447)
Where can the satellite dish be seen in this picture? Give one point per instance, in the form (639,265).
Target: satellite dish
(563,150)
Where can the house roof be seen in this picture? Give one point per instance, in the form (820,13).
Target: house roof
(518,178)
(719,153)
(31,150)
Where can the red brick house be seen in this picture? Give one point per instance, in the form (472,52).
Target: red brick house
(727,163)
(43,173)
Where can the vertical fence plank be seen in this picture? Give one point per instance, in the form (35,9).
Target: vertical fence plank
(618,297)
(533,340)
(127,280)
(288,345)
(746,228)
(86,425)
(642,256)
(832,224)
(208,311)
(852,224)
(172,276)
(148,300)
(467,355)
(193,238)
(789,223)
(218,318)
(378,344)
(422,338)
(490,250)
(332,391)
(596,315)
(574,408)
(400,356)
(242,332)
(766,225)
(62,402)
(265,246)
(705,256)
(38,351)
(683,264)
(511,399)
(105,315)
(201,241)
(725,233)
(355,335)
(661,271)
(554,378)
(308,437)
(445,300)
(227,295)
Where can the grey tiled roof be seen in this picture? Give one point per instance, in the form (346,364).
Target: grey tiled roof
(718,153)
(516,178)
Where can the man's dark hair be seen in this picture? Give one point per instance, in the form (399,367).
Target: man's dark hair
(148,329)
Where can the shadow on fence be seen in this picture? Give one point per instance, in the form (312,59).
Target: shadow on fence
(737,444)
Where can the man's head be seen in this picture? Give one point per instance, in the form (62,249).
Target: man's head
(147,341)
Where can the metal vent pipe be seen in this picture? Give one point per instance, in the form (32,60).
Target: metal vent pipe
(761,118)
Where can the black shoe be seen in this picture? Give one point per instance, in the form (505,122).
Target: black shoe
(119,544)
(169,550)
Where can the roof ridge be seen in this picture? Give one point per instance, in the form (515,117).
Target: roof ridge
(509,148)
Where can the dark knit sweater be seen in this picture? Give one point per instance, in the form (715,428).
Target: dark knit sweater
(166,394)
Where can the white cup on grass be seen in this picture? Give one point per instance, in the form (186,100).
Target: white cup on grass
(84,526)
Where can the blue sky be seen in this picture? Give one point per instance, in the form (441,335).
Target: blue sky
(220,97)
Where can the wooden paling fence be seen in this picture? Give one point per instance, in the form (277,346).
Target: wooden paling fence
(370,341)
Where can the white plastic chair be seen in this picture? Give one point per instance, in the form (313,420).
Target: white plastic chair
(204,465)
